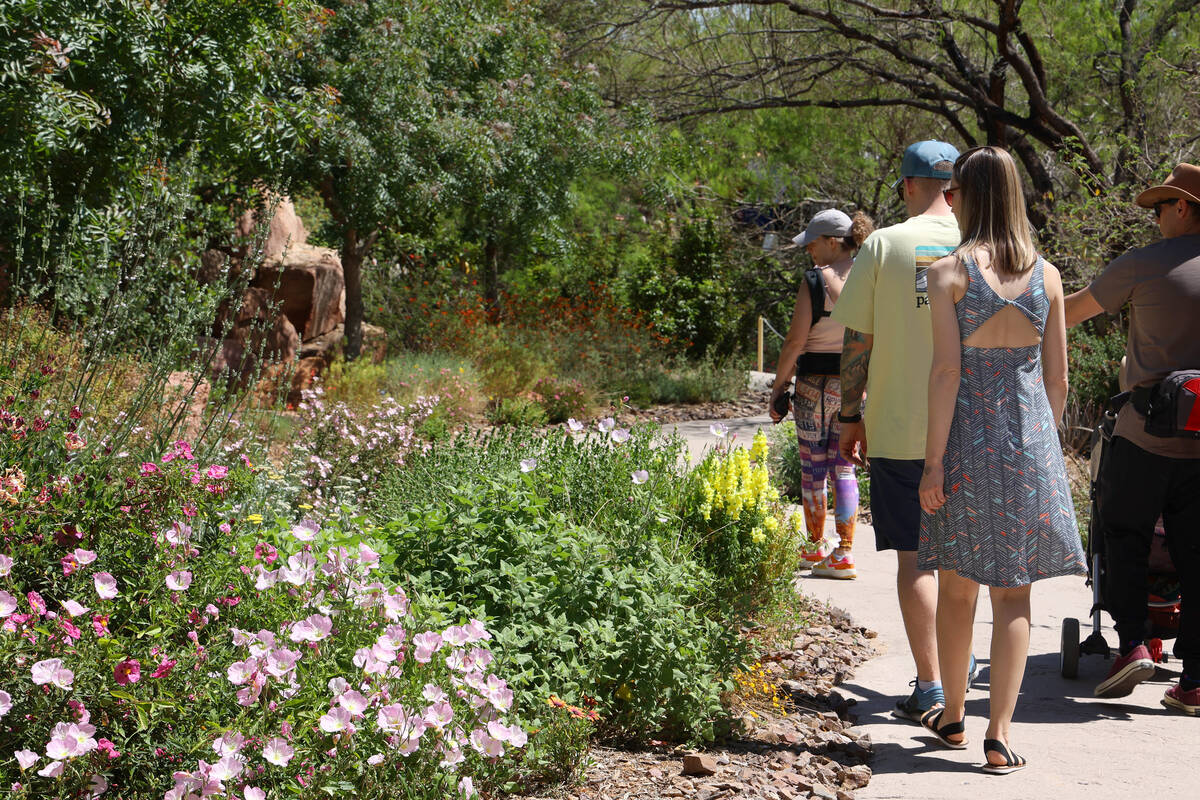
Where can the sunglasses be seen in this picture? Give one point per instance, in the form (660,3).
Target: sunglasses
(1160,205)
(949,195)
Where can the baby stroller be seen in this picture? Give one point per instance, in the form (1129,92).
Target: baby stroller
(1164,600)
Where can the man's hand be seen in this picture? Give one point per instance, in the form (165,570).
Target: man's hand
(852,443)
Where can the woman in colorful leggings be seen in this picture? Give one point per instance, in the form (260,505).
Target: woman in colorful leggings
(812,352)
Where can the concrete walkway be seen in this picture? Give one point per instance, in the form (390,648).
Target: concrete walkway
(1077,746)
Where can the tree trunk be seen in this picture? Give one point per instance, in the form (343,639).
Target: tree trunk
(352,259)
(491,276)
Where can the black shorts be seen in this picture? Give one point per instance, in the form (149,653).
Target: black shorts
(896,502)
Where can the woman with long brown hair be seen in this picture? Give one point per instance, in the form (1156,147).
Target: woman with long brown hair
(996,504)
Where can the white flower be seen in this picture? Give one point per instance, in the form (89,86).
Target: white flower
(52,671)
(179,580)
(528,464)
(73,608)
(278,752)
(106,585)
(574,425)
(228,744)
(620,435)
(306,530)
(8,604)
(336,720)
(640,476)
(607,424)
(718,429)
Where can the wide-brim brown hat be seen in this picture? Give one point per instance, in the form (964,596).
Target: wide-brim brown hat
(1184,184)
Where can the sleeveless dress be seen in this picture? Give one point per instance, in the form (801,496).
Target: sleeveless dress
(1008,519)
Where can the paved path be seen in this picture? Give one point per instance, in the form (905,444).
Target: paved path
(1078,746)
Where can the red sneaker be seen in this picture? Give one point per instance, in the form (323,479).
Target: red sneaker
(814,553)
(1126,673)
(838,568)
(1188,702)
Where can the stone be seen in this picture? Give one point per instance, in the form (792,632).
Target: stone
(699,764)
(256,335)
(845,794)
(308,284)
(284,231)
(823,792)
(855,777)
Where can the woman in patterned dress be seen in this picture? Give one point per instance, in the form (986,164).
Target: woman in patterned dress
(996,505)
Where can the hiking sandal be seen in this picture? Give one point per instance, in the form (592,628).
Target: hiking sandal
(1012,761)
(930,723)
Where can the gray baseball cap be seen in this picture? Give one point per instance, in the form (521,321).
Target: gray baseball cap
(829,222)
(921,160)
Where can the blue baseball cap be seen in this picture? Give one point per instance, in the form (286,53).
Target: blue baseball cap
(921,158)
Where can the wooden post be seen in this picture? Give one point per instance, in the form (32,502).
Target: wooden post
(760,344)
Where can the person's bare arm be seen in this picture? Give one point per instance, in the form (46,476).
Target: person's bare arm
(856,358)
(793,346)
(1054,344)
(945,373)
(1079,307)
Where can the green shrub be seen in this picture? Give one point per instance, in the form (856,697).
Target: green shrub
(519,411)
(578,611)
(587,551)
(561,399)
(785,464)
(681,381)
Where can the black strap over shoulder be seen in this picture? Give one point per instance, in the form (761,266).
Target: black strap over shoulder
(815,281)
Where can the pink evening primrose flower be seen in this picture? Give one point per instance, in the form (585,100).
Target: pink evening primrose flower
(439,715)
(253,793)
(485,745)
(640,476)
(26,758)
(433,693)
(426,644)
(606,425)
(51,770)
(53,672)
(83,557)
(466,788)
(5,702)
(179,580)
(478,631)
(278,752)
(336,720)
(6,565)
(528,464)
(305,530)
(456,635)
(228,744)
(127,672)
(354,703)
(620,435)
(8,604)
(106,585)
(575,425)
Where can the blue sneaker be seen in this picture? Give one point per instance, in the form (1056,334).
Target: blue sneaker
(972,672)
(915,706)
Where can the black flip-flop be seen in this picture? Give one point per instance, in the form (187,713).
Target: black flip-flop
(930,723)
(1012,761)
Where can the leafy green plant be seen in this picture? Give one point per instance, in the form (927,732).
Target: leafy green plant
(561,399)
(519,411)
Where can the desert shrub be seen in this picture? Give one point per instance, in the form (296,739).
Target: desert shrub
(683,381)
(561,399)
(518,411)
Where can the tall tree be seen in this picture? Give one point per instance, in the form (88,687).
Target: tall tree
(459,108)
(994,71)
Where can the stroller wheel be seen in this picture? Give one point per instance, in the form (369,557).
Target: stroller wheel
(1068,654)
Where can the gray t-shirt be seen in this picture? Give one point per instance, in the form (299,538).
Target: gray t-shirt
(1162,281)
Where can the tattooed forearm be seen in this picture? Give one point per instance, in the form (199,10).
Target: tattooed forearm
(856,355)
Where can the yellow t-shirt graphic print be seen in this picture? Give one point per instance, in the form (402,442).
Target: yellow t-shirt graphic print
(886,296)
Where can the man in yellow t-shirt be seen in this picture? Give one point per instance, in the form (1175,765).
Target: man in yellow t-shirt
(885,308)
